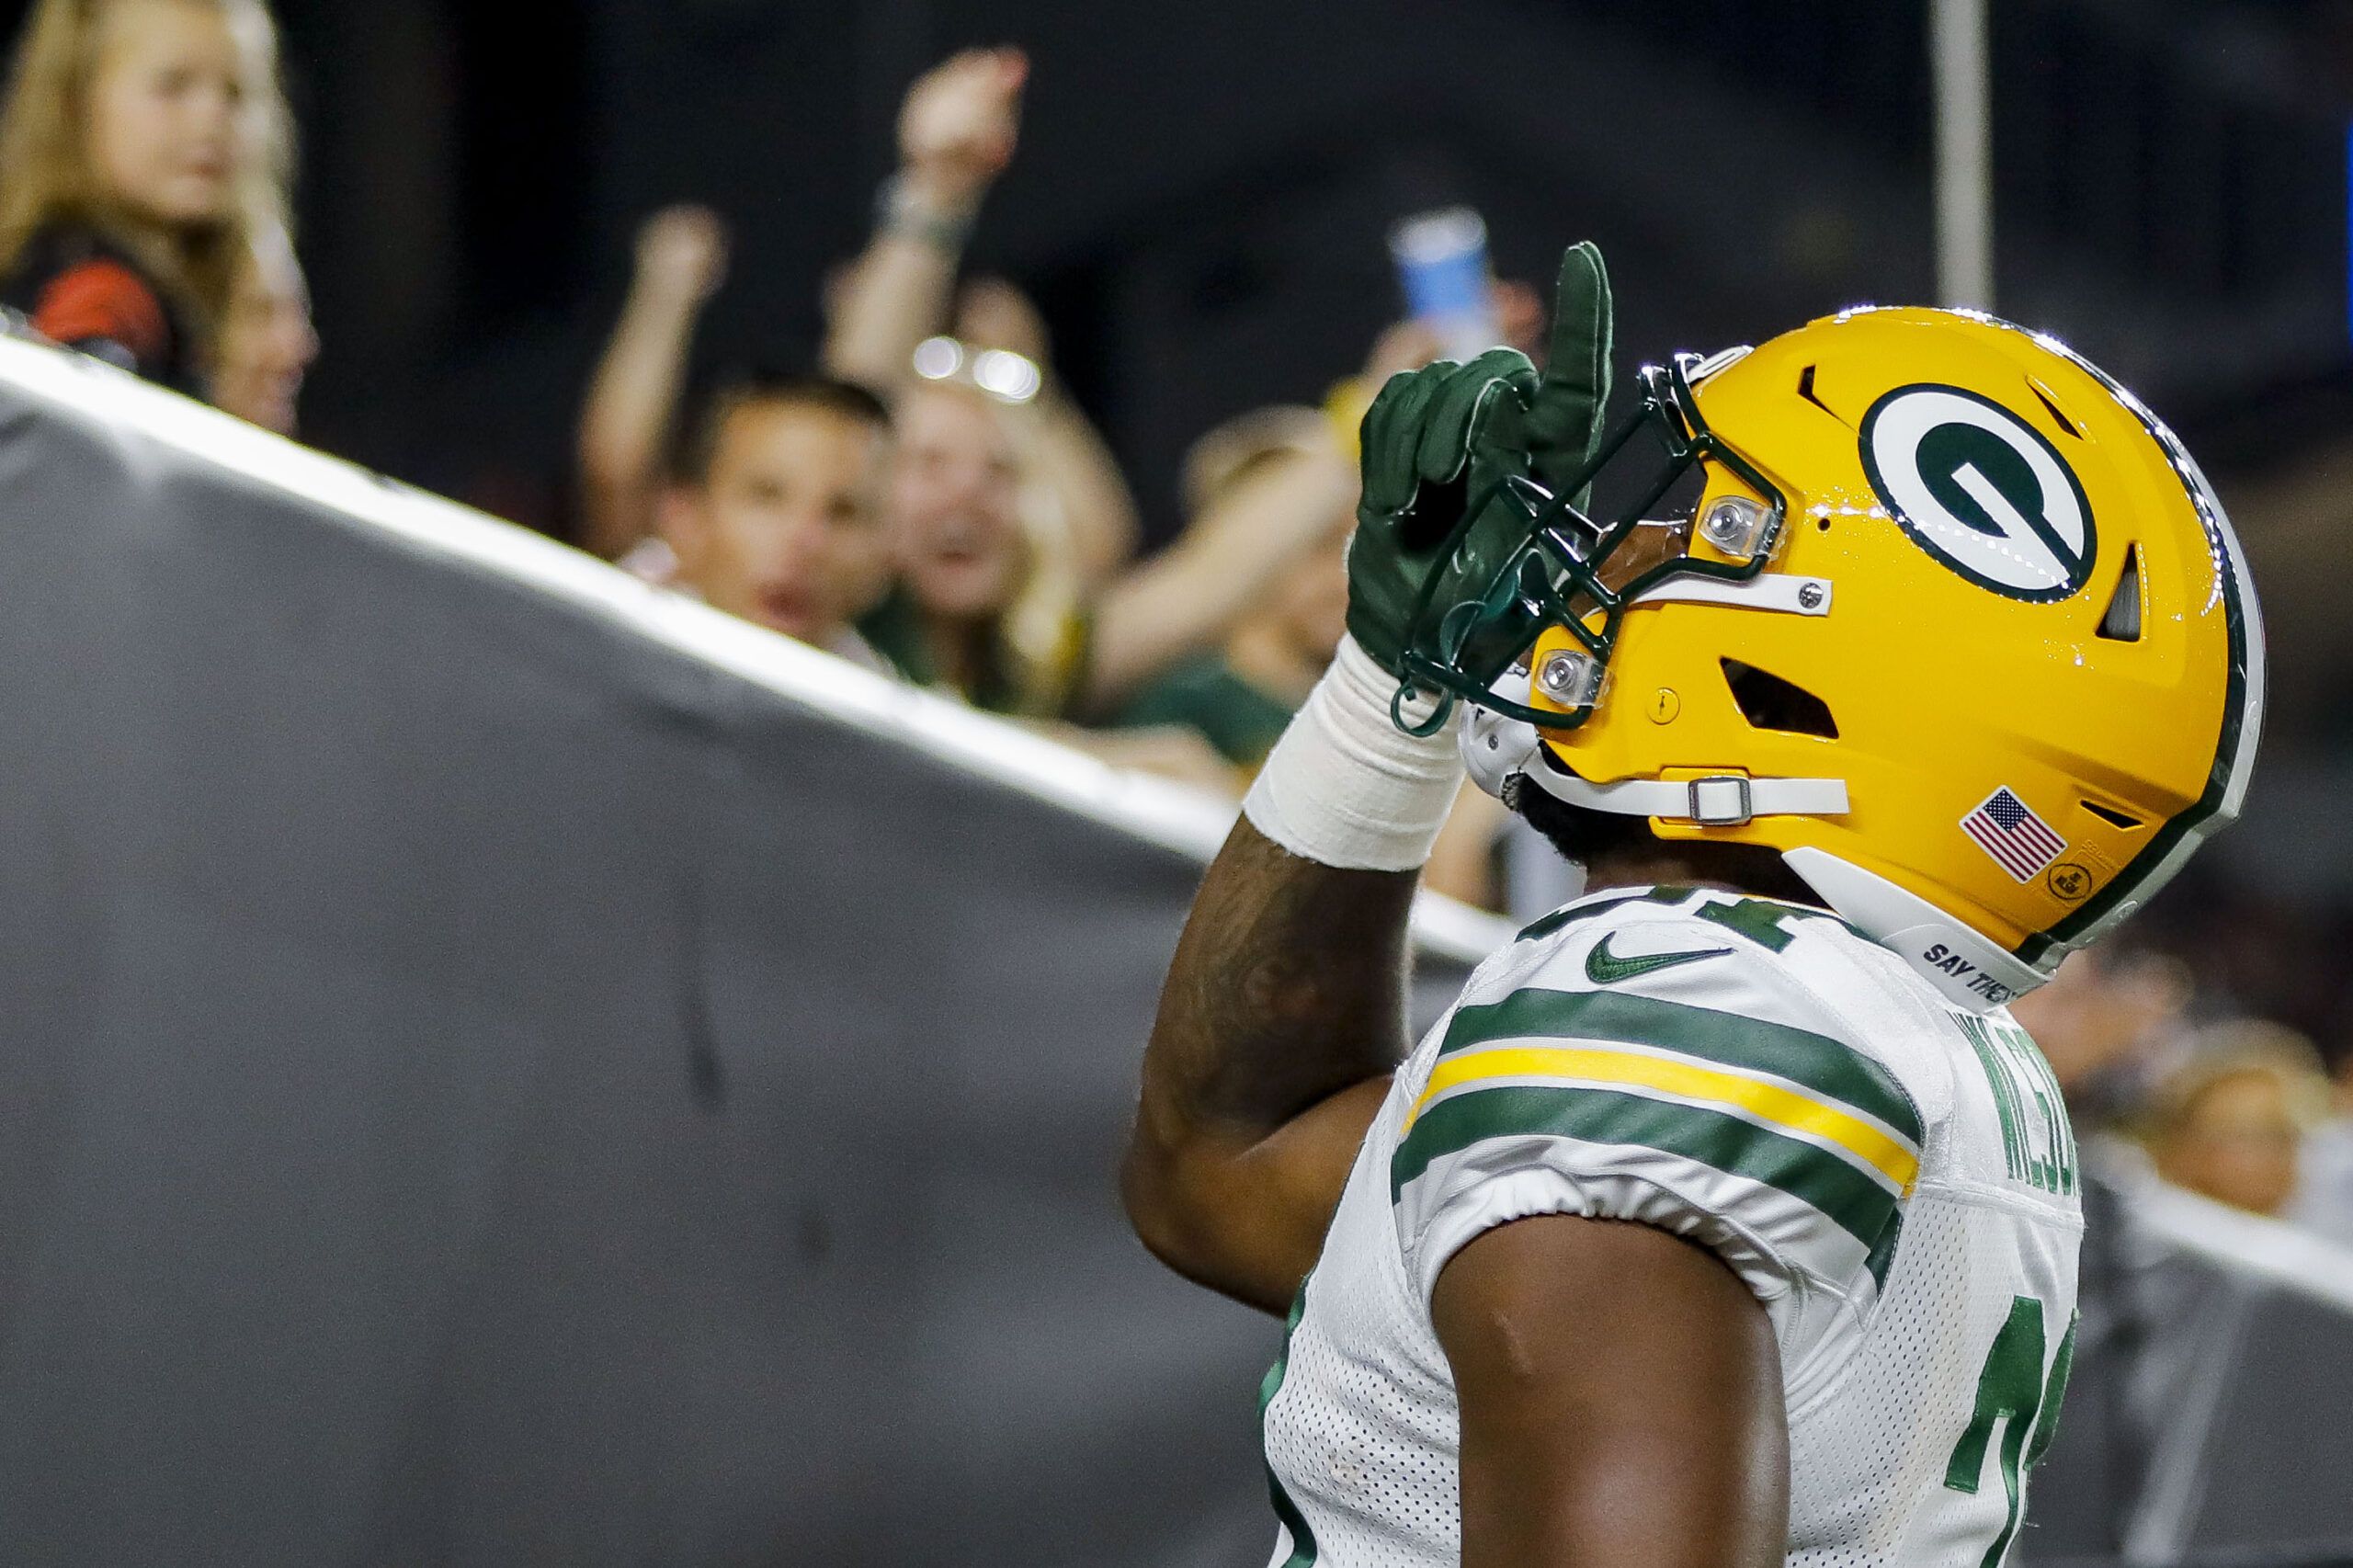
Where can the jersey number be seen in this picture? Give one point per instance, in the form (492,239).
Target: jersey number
(2011,1390)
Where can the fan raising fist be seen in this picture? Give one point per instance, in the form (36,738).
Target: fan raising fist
(961,118)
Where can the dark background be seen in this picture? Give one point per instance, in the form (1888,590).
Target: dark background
(1203,190)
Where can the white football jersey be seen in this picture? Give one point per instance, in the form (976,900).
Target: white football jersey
(1893,1177)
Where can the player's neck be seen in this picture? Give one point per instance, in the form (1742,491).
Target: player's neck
(1736,868)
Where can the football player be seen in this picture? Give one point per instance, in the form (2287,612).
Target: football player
(1727,1218)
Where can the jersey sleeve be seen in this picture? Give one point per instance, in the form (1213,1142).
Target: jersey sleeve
(1702,1099)
(104,308)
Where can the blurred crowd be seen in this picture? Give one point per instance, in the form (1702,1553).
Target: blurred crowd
(2209,1044)
(927,501)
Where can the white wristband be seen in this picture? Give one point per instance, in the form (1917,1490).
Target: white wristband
(1345,787)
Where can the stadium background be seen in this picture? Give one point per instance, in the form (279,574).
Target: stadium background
(1199,205)
(1200,201)
(1201,196)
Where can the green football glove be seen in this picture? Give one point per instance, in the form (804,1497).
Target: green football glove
(1448,437)
(1433,440)
(1564,419)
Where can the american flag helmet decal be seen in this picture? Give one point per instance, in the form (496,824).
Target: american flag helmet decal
(2005,828)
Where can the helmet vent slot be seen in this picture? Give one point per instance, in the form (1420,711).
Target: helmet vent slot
(1805,390)
(2113,818)
(1769,702)
(2056,412)
(2121,622)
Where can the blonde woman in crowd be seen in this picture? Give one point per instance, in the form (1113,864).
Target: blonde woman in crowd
(1002,535)
(957,127)
(142,142)
(990,601)
(2230,1121)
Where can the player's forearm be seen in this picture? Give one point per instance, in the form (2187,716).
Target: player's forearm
(1283,1012)
(1285,1007)
(1289,983)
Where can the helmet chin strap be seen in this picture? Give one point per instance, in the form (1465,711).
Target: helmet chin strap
(1497,748)
(1967,969)
(1725,799)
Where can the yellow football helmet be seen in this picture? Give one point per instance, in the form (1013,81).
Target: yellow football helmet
(1953,623)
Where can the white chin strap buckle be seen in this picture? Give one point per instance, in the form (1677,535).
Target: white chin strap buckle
(1727,801)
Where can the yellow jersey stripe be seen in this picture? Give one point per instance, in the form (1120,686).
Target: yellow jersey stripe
(1770,1103)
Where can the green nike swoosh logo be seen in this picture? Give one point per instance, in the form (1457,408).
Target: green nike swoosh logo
(1604,968)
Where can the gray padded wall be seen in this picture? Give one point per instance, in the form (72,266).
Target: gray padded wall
(480,1086)
(2208,1416)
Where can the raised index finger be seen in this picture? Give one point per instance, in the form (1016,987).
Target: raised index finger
(1576,369)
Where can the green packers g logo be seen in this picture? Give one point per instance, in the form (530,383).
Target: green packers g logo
(1981,489)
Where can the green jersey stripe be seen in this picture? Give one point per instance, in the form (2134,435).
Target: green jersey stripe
(1825,1067)
(1811,1175)
(1568,914)
(1758,919)
(1882,1255)
(1302,1540)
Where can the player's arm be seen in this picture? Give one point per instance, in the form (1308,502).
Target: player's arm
(1283,1012)
(1621,1403)
(1284,1009)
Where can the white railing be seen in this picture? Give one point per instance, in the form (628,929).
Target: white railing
(1154,809)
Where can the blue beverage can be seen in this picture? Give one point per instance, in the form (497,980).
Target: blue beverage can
(1443,264)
